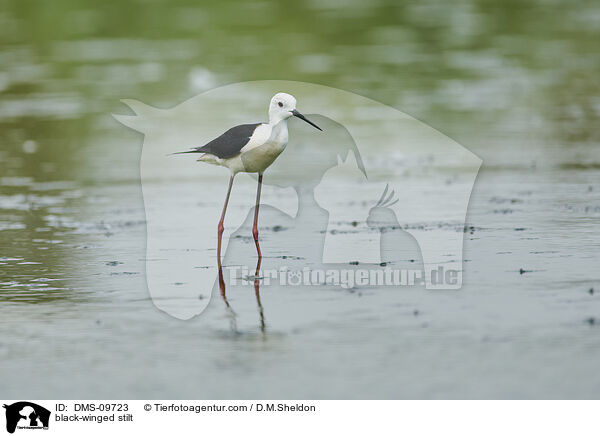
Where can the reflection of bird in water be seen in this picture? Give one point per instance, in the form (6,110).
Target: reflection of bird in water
(396,245)
(251,148)
(232,315)
(258,302)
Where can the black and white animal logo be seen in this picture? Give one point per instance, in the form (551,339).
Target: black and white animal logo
(26,415)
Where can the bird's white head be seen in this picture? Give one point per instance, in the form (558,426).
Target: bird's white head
(282,107)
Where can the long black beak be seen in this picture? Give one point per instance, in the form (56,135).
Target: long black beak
(303,118)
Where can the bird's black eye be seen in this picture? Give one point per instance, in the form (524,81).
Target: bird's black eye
(280,104)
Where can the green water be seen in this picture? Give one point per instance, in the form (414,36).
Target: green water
(492,75)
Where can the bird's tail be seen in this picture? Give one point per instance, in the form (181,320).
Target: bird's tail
(183,152)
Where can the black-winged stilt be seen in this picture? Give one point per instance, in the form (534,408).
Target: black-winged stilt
(251,148)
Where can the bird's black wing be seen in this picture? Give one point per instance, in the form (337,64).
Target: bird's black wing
(229,143)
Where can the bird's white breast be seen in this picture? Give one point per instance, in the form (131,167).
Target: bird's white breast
(260,136)
(266,143)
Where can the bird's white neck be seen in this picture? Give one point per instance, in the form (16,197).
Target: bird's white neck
(276,117)
(282,124)
(279,132)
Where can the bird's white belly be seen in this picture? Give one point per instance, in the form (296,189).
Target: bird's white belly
(257,158)
(260,158)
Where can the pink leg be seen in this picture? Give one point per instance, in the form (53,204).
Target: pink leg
(221,227)
(255,226)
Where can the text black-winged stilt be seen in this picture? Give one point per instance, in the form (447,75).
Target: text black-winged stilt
(251,148)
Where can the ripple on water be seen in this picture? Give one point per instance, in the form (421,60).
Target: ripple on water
(33,291)
(11,226)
